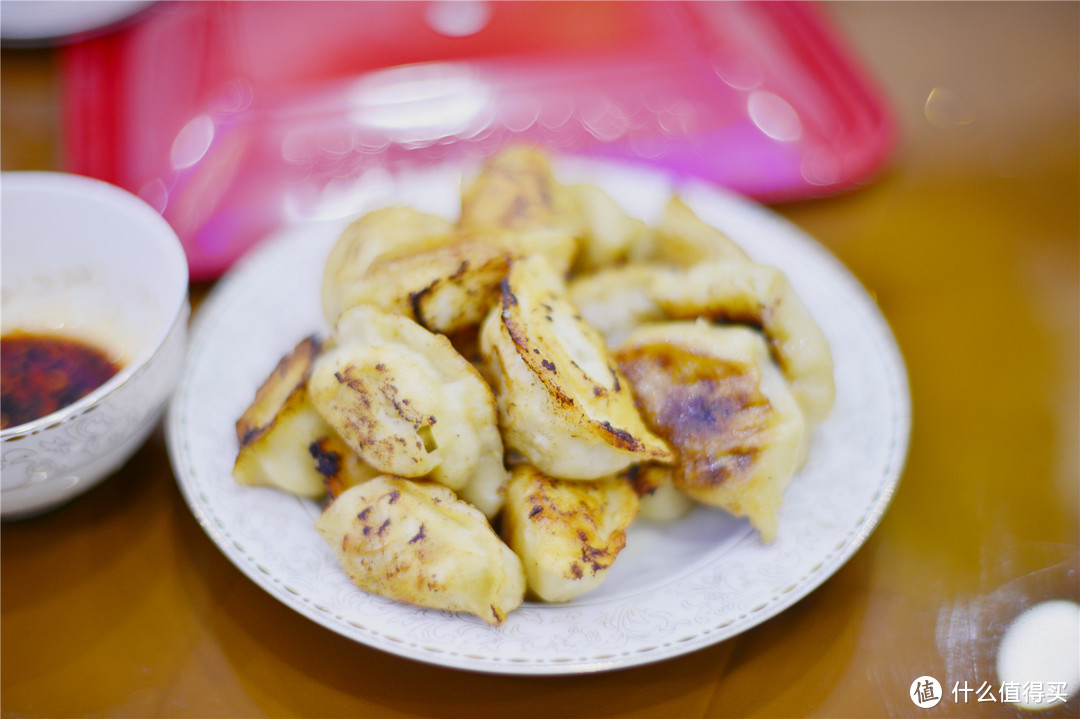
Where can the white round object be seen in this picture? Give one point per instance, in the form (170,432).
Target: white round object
(88,261)
(1039,654)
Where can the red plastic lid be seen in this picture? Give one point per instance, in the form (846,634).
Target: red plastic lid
(233,118)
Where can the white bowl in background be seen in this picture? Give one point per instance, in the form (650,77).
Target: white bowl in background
(40,22)
(89,261)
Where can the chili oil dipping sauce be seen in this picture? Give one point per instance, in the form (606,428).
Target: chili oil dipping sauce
(94,290)
(41,373)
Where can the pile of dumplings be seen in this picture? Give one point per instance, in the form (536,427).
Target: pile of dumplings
(504,393)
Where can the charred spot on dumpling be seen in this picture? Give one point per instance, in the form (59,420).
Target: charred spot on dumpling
(327,461)
(596,557)
(709,409)
(416,301)
(419,536)
(622,438)
(632,475)
(251,434)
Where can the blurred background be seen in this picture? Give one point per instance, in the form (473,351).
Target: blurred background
(932,147)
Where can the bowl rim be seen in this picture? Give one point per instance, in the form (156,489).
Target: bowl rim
(61,183)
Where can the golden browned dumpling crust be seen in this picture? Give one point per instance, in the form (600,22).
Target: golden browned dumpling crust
(609,236)
(566,532)
(760,296)
(516,197)
(380,235)
(408,404)
(563,403)
(685,239)
(285,443)
(712,393)
(416,542)
(517,190)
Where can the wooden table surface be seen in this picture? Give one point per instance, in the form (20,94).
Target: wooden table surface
(118,604)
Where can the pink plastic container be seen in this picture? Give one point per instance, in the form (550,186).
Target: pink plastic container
(234,118)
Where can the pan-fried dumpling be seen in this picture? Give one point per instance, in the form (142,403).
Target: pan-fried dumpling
(410,405)
(445,288)
(516,195)
(685,239)
(714,394)
(609,236)
(416,542)
(567,533)
(285,443)
(383,233)
(563,403)
(759,295)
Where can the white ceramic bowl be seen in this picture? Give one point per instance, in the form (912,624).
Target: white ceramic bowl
(89,261)
(33,22)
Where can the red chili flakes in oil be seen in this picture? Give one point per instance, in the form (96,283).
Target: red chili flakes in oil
(41,373)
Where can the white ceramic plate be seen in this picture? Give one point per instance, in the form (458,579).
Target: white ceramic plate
(675,589)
